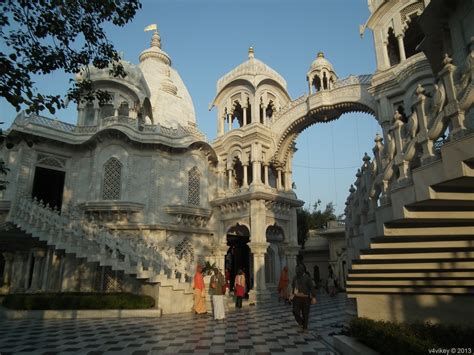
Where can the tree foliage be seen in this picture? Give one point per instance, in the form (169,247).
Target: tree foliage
(42,36)
(313,219)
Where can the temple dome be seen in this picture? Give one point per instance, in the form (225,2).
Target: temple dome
(170,100)
(252,70)
(321,63)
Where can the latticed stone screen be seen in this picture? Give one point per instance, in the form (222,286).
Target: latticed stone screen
(184,250)
(112,180)
(194,187)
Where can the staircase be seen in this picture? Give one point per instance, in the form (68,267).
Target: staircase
(423,264)
(141,258)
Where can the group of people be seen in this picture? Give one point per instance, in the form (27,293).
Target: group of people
(302,294)
(218,286)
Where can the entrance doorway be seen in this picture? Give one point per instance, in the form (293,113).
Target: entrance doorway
(238,254)
(48,186)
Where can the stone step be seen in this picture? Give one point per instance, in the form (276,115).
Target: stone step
(411,274)
(411,282)
(463,290)
(463,185)
(394,264)
(423,241)
(416,227)
(441,205)
(416,253)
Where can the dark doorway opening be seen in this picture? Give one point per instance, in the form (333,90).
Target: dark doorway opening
(48,186)
(238,254)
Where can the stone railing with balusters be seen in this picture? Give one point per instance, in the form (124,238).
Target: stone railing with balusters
(70,231)
(417,142)
(23,120)
(360,206)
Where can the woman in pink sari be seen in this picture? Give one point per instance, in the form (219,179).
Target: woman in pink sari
(199,292)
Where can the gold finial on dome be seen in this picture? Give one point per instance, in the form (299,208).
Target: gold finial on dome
(320,55)
(251,52)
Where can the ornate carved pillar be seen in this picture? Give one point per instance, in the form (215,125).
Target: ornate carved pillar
(279,184)
(255,155)
(27,271)
(386,61)
(401,47)
(44,283)
(7,270)
(245,181)
(244,109)
(265,174)
(229,181)
(39,255)
(259,292)
(96,112)
(80,115)
(229,121)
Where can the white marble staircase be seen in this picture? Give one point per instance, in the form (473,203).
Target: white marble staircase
(139,258)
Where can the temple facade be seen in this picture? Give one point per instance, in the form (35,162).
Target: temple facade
(133,196)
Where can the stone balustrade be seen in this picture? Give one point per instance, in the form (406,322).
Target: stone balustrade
(437,117)
(63,127)
(71,231)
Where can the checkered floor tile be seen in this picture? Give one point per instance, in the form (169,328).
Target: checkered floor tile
(261,329)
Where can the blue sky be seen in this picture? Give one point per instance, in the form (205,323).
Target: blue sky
(207,38)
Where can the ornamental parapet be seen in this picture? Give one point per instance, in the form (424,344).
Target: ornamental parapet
(59,128)
(189,215)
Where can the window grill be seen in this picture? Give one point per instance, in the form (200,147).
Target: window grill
(112,180)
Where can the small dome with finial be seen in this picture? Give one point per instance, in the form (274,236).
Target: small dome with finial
(321,74)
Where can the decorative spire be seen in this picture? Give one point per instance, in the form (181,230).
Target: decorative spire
(156,40)
(320,55)
(251,53)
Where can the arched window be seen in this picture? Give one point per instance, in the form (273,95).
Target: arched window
(194,187)
(392,48)
(123,109)
(413,37)
(112,180)
(106,110)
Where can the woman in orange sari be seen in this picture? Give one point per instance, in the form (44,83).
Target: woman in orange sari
(199,292)
(283,285)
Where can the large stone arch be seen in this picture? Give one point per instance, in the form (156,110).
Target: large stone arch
(321,107)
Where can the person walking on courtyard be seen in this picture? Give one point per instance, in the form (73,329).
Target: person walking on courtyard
(283,285)
(218,290)
(303,294)
(199,292)
(239,287)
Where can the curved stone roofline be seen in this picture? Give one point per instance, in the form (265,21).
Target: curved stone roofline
(72,134)
(252,67)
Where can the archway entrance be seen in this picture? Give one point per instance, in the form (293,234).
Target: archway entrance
(48,186)
(238,254)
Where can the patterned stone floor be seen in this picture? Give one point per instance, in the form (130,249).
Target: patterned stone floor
(268,328)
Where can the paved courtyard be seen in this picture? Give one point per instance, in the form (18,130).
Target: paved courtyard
(262,329)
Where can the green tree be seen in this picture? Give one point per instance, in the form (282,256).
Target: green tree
(42,36)
(313,219)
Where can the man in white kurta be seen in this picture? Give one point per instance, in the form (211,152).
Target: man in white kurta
(218,292)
